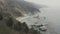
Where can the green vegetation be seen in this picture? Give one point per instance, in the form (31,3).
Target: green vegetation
(1,17)
(8,24)
(17,26)
(26,29)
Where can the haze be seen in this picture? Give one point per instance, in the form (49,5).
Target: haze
(52,12)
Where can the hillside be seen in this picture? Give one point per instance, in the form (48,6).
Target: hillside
(11,9)
(19,8)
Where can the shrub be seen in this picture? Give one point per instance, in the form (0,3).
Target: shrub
(17,26)
(26,29)
(1,17)
(10,22)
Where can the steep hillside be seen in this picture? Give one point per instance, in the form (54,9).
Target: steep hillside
(20,8)
(11,9)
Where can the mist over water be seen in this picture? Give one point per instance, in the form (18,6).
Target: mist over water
(52,13)
(22,8)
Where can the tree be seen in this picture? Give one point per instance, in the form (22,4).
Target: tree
(26,29)
(1,17)
(17,26)
(10,22)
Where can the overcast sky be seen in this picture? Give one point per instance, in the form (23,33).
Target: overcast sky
(53,3)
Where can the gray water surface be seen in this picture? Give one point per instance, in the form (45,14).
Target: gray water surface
(52,13)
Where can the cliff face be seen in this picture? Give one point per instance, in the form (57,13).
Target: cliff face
(11,9)
(7,6)
(20,8)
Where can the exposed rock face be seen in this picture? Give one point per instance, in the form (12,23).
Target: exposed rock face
(11,9)
(19,8)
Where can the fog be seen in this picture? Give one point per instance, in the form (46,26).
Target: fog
(51,12)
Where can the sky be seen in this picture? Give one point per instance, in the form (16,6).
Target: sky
(51,3)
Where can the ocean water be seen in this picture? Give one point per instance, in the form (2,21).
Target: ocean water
(51,12)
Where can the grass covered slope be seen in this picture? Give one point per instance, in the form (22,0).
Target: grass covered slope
(9,10)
